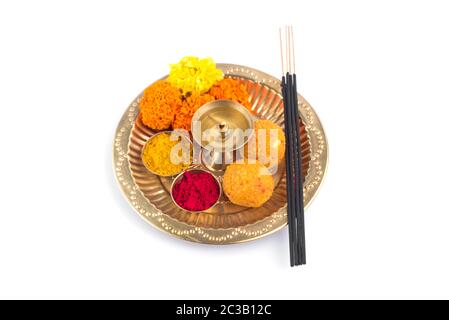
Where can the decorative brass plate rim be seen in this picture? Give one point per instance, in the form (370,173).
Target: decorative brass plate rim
(271,224)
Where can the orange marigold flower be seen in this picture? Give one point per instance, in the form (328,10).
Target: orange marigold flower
(231,89)
(189,106)
(159,105)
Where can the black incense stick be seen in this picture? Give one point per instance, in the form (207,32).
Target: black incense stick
(299,178)
(290,191)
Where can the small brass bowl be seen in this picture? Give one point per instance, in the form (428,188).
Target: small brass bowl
(221,117)
(184,139)
(222,128)
(179,177)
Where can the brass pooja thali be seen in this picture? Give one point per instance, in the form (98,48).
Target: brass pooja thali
(225,222)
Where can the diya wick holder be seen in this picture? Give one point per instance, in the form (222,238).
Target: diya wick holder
(221,128)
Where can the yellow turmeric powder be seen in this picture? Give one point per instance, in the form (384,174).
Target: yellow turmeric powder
(160,156)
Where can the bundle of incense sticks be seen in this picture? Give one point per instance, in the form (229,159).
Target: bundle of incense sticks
(292,122)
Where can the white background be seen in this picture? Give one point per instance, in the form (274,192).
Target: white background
(377,73)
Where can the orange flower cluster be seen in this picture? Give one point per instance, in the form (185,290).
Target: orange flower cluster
(163,106)
(183,117)
(159,104)
(231,89)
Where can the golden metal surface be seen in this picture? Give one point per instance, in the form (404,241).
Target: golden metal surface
(225,223)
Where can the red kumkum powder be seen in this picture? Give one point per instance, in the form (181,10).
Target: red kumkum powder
(196,191)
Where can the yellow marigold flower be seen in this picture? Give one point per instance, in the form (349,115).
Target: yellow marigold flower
(192,74)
